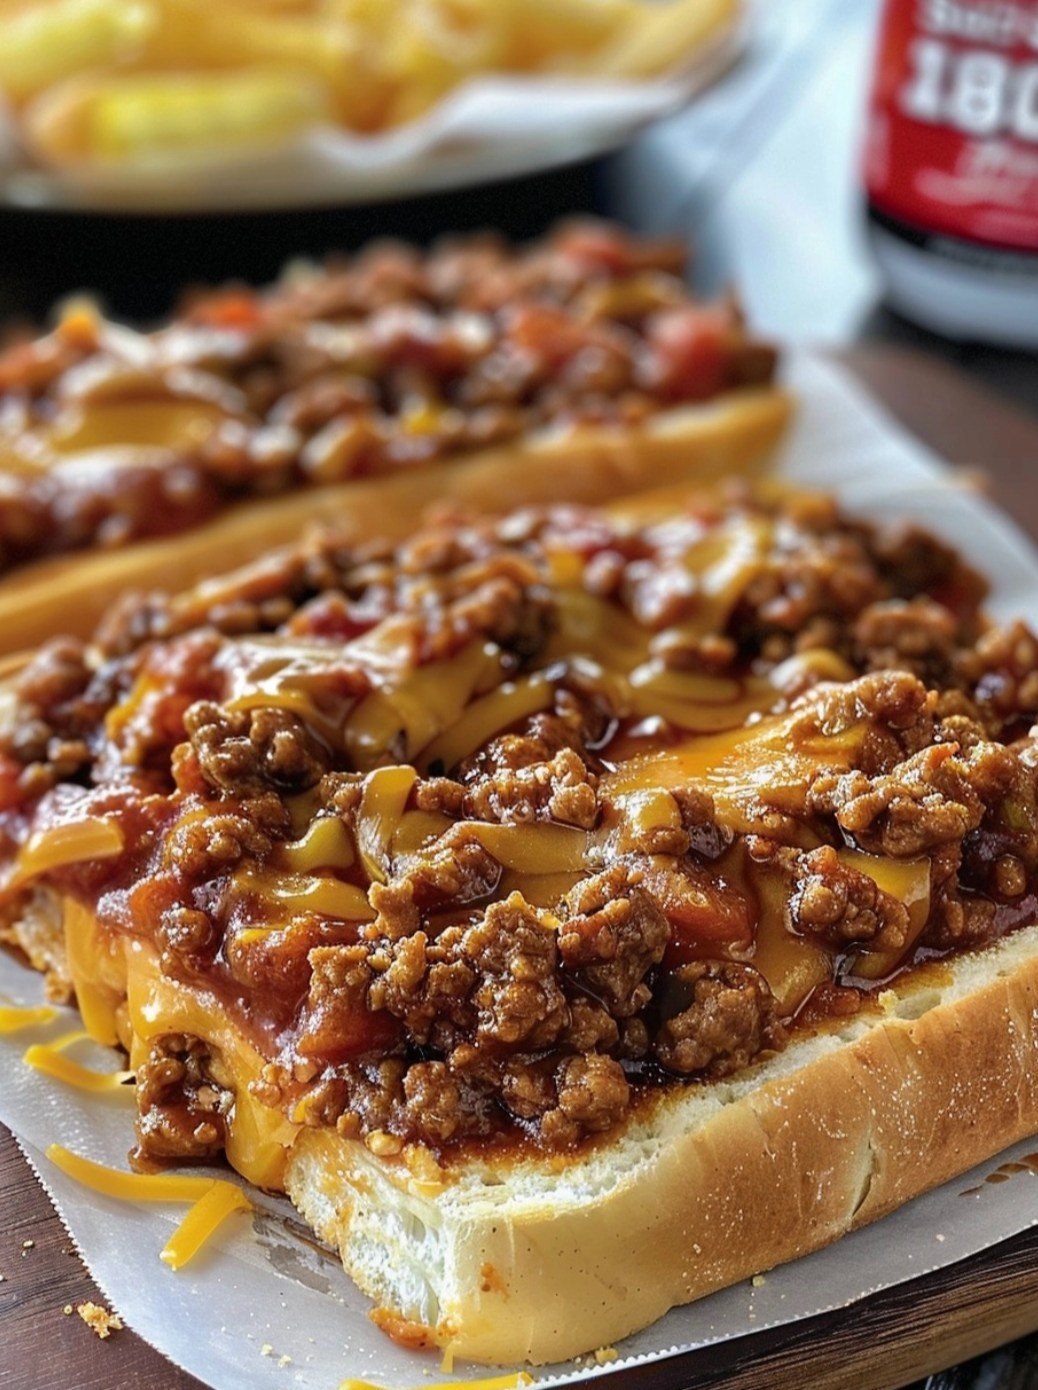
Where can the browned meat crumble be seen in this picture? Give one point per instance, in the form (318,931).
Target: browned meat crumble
(387,362)
(490,832)
(183,1112)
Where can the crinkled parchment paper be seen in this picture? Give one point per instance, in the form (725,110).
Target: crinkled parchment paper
(263,1282)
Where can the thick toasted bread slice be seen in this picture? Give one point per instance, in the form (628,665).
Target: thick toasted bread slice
(539,1261)
(504,1241)
(732,435)
(504,1259)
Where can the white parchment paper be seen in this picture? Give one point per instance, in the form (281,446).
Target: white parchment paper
(265,1283)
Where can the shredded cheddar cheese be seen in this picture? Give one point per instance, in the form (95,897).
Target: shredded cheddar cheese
(512,1381)
(736,765)
(213,1199)
(486,717)
(128,1187)
(416,830)
(98,969)
(531,849)
(50,1059)
(382,805)
(91,838)
(294,893)
(13,1018)
(413,705)
(326,844)
(209,1212)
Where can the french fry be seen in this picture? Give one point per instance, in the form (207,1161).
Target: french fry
(199,33)
(275,6)
(193,34)
(552,33)
(374,17)
(107,80)
(141,116)
(458,30)
(48,42)
(663,36)
(436,47)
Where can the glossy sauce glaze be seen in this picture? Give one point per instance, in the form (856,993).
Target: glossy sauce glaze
(549,816)
(393,361)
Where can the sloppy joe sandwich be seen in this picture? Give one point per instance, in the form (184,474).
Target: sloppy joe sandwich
(576,369)
(574,912)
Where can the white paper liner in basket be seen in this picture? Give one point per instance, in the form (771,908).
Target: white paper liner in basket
(263,1282)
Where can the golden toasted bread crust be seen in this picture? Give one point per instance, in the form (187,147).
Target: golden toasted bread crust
(726,1181)
(688,444)
(35,929)
(509,1259)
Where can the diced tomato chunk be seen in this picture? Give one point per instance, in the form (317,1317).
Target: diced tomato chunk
(547,334)
(691,352)
(10,772)
(708,916)
(597,247)
(330,616)
(335,1034)
(233,309)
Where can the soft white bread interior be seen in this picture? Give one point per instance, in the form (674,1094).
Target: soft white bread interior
(732,435)
(535,1261)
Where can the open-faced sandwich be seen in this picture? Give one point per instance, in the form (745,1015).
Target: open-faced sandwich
(580,368)
(574,912)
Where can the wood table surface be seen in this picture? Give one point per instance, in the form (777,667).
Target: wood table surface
(889,1340)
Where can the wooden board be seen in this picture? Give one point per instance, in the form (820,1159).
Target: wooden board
(881,1343)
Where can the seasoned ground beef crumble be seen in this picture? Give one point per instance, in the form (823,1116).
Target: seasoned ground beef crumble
(491,833)
(391,361)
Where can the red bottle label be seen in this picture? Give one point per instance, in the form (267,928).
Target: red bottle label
(952,144)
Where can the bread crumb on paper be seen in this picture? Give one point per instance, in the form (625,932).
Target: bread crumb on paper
(99,1320)
(606,1354)
(757,1281)
(266,1349)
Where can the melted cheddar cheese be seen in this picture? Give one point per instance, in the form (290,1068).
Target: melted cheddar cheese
(91,838)
(124,998)
(368,820)
(737,766)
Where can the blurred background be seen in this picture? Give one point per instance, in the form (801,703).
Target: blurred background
(761,173)
(765,175)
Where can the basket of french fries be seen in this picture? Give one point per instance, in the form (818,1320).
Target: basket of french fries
(197,104)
